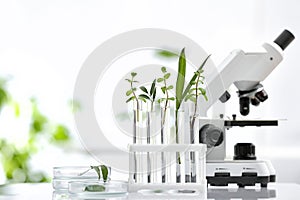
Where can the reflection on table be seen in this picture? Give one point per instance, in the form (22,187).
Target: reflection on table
(212,193)
(240,193)
(44,191)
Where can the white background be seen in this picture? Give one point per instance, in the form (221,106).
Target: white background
(44,43)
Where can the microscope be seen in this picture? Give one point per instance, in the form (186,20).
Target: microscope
(246,70)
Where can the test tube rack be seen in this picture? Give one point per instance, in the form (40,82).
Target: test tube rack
(139,165)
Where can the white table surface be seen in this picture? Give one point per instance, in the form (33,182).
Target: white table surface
(44,191)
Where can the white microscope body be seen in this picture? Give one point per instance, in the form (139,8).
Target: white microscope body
(245,71)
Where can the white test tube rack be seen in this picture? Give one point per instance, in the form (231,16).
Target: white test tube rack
(137,177)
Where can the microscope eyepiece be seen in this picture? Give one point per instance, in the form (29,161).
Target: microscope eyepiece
(284,39)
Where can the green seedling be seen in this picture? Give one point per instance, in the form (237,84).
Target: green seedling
(165,89)
(194,92)
(181,93)
(149,95)
(131,93)
(101,170)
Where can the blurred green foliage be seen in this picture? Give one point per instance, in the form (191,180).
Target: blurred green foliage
(3,93)
(16,160)
(166,54)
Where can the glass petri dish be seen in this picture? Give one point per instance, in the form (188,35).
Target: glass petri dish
(94,189)
(63,175)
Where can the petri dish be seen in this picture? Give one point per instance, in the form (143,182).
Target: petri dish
(63,175)
(94,189)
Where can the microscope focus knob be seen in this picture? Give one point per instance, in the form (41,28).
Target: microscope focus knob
(211,135)
(244,151)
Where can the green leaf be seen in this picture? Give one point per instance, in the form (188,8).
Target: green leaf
(189,96)
(163,69)
(152,87)
(163,89)
(170,87)
(133,74)
(161,100)
(167,54)
(205,97)
(104,171)
(203,91)
(144,96)
(180,78)
(144,89)
(130,99)
(194,78)
(135,81)
(160,80)
(193,99)
(166,76)
(128,80)
(129,92)
(171,98)
(154,94)
(98,171)
(94,188)
(144,100)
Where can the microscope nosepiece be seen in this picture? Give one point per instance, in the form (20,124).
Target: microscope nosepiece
(284,39)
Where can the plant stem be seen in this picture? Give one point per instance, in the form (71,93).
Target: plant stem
(137,101)
(152,102)
(192,128)
(166,104)
(196,104)
(162,133)
(86,171)
(176,135)
(176,126)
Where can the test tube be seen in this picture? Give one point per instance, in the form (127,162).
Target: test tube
(148,142)
(134,141)
(153,155)
(168,167)
(198,167)
(165,116)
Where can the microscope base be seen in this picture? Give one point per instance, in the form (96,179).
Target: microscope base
(240,172)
